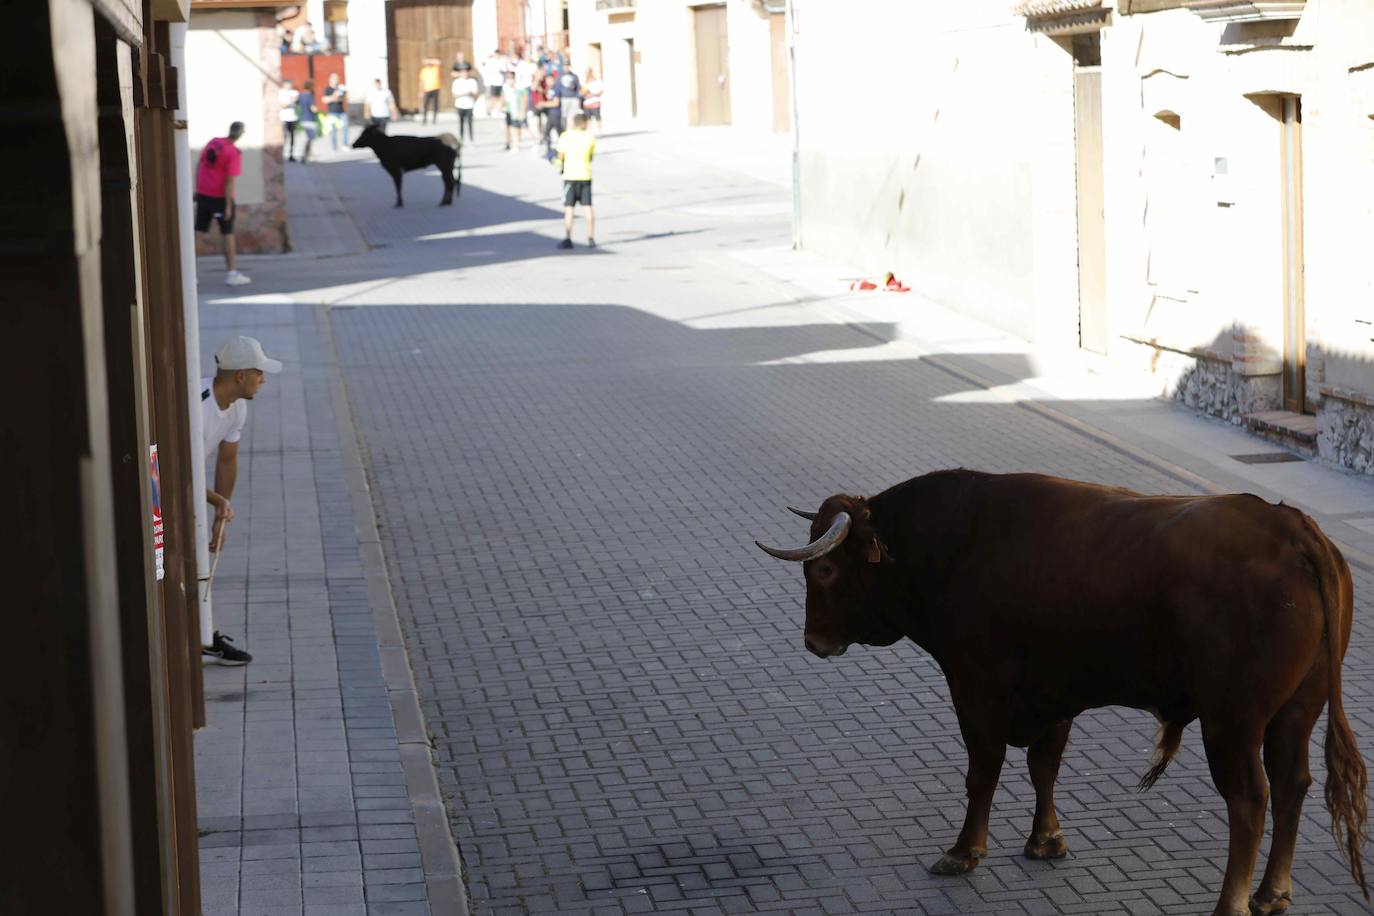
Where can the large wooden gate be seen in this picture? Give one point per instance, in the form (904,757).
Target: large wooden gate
(416,29)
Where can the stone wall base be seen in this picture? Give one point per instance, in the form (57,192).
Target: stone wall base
(1215,388)
(1345,418)
(1345,433)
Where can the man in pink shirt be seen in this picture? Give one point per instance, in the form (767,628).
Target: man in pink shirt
(216,174)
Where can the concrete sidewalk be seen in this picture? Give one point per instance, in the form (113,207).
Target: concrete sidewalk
(315,788)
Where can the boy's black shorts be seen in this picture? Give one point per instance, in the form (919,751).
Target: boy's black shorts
(577,192)
(213,208)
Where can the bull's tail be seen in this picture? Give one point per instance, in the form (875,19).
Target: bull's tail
(1169,737)
(455,144)
(1347,782)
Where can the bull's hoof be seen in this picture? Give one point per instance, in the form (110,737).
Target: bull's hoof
(1041,846)
(1277,904)
(950,864)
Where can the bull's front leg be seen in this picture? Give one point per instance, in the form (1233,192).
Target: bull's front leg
(987,749)
(1042,759)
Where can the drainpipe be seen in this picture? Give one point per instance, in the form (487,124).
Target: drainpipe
(790,26)
(191,311)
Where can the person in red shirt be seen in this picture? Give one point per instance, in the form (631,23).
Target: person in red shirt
(217,173)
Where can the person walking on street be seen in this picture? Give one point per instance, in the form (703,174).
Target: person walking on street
(569,94)
(429,88)
(494,74)
(514,104)
(240,372)
(536,105)
(336,112)
(217,175)
(576,147)
(465,93)
(379,106)
(553,115)
(287,112)
(592,90)
(308,110)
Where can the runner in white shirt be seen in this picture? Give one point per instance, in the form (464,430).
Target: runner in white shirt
(494,75)
(465,92)
(379,106)
(286,103)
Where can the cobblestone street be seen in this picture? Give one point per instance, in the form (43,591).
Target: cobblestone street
(570,454)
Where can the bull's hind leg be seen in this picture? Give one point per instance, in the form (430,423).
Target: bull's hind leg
(1042,759)
(1233,757)
(445,164)
(1285,760)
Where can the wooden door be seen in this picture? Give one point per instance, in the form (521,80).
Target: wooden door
(1092,233)
(416,29)
(1294,319)
(713,65)
(782,93)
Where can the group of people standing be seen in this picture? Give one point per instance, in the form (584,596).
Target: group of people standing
(313,114)
(540,92)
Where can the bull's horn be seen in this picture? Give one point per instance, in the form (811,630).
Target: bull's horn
(817,548)
(802,512)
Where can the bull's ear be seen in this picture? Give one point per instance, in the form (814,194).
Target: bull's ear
(875,550)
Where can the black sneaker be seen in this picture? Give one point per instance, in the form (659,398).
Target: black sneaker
(222,650)
(591,243)
(566,243)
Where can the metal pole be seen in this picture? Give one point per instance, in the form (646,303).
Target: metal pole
(790,26)
(191,307)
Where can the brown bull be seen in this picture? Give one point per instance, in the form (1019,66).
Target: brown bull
(1041,597)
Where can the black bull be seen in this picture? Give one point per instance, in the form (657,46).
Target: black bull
(1041,597)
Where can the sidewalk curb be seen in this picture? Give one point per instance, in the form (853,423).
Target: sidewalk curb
(839,310)
(440,858)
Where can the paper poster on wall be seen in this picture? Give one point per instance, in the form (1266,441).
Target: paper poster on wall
(156,488)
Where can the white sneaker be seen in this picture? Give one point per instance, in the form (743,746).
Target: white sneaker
(237,278)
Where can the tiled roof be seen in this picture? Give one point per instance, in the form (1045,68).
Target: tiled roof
(1054,7)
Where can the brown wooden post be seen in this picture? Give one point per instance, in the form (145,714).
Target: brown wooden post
(155,852)
(63,761)
(166,369)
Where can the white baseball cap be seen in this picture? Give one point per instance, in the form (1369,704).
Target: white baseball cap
(244,353)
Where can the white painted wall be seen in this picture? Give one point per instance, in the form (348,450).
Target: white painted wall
(751,67)
(366,59)
(666,75)
(224,83)
(484,32)
(940,146)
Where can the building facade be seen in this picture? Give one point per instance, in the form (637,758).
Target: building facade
(676,63)
(1179,185)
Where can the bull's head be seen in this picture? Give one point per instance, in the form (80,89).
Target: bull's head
(848,588)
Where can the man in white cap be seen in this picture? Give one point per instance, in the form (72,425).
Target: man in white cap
(242,370)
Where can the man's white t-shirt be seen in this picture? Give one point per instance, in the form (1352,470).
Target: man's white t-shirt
(286,100)
(379,102)
(464,84)
(219,425)
(494,71)
(524,74)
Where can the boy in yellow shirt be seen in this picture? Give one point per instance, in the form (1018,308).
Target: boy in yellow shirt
(575,150)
